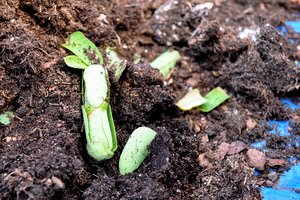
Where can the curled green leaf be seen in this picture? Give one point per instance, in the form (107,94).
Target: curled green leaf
(136,149)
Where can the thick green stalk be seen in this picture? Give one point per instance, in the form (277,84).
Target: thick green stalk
(99,126)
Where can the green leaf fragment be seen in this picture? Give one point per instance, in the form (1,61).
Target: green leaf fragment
(214,98)
(83,48)
(166,61)
(191,100)
(6,117)
(135,150)
(137,58)
(75,62)
(112,128)
(115,63)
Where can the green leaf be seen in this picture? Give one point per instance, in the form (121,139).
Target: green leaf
(190,100)
(166,61)
(83,48)
(115,64)
(135,150)
(6,117)
(214,98)
(75,62)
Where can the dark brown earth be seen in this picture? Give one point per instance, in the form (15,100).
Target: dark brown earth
(42,152)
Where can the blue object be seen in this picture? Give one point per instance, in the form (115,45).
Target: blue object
(279,128)
(260,145)
(297,141)
(295,25)
(288,103)
(282,30)
(275,194)
(290,179)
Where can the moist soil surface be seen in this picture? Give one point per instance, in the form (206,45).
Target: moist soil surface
(43,151)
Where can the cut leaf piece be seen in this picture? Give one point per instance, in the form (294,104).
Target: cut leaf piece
(192,99)
(214,98)
(166,61)
(115,64)
(75,62)
(6,117)
(135,150)
(83,48)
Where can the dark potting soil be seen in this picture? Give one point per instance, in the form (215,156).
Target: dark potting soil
(42,152)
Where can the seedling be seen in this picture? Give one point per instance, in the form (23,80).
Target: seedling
(6,117)
(166,61)
(135,150)
(98,121)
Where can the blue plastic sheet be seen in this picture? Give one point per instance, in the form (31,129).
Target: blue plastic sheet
(290,179)
(289,103)
(276,194)
(295,25)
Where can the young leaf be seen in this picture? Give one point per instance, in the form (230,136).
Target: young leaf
(166,61)
(75,62)
(214,98)
(83,48)
(135,150)
(6,117)
(190,100)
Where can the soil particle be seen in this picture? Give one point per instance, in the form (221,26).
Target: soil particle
(222,151)
(275,162)
(236,147)
(203,161)
(256,158)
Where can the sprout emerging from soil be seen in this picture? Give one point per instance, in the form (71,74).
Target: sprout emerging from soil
(98,121)
(166,61)
(6,117)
